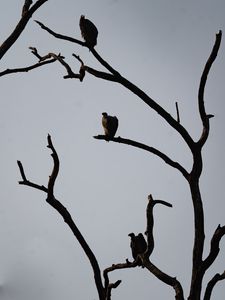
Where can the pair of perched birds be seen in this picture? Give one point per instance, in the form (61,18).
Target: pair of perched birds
(89,33)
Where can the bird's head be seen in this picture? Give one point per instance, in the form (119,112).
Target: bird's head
(131,235)
(104,114)
(82,17)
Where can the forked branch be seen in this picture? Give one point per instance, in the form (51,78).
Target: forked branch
(27,13)
(57,205)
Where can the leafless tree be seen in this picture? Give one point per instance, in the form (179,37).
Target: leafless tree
(199,264)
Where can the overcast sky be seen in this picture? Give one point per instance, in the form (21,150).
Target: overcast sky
(161,46)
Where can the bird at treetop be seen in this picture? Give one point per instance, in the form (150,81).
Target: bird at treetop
(138,245)
(89,32)
(110,125)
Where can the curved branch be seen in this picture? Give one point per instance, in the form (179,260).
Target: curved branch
(214,249)
(211,284)
(26,15)
(55,170)
(57,205)
(156,152)
(114,267)
(150,223)
(201,105)
(171,281)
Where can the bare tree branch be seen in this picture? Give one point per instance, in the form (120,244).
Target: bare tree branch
(100,74)
(177,110)
(61,36)
(150,223)
(26,69)
(172,281)
(203,115)
(156,152)
(214,249)
(110,287)
(114,267)
(57,205)
(211,284)
(26,15)
(26,6)
(27,182)
(43,60)
(76,41)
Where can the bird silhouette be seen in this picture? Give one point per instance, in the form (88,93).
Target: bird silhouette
(89,32)
(138,246)
(110,125)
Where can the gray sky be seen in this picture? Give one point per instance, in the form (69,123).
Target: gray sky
(160,45)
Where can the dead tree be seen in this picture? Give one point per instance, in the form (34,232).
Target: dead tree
(199,265)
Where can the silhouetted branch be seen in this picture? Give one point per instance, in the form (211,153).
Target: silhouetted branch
(172,281)
(26,6)
(201,105)
(211,284)
(57,205)
(27,182)
(27,13)
(178,114)
(55,170)
(114,267)
(156,152)
(82,67)
(199,266)
(110,287)
(214,249)
(43,60)
(61,36)
(100,74)
(150,223)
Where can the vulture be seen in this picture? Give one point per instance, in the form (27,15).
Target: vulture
(110,125)
(89,32)
(138,245)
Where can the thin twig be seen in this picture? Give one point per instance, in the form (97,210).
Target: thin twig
(61,36)
(178,114)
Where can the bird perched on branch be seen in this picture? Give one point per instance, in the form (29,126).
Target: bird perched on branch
(110,125)
(89,32)
(138,245)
